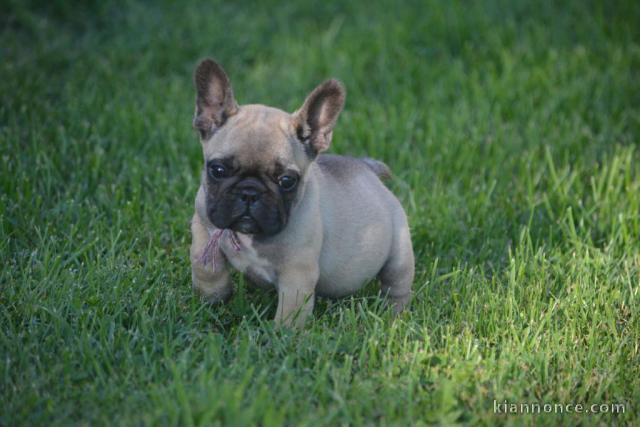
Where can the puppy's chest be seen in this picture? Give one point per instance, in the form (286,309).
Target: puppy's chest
(241,254)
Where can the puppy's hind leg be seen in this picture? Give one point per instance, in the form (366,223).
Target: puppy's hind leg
(396,277)
(211,278)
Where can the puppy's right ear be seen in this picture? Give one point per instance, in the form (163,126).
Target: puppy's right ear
(316,118)
(214,98)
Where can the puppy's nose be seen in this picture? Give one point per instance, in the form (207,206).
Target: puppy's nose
(249,194)
(249,190)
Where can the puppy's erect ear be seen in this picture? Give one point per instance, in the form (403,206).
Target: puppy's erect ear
(214,98)
(316,118)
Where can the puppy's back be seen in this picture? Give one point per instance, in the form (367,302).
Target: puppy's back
(346,167)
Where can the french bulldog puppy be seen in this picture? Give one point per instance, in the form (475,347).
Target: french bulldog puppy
(274,208)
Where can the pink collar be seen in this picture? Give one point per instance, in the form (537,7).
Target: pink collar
(211,251)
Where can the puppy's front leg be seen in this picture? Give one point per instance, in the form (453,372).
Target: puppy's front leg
(213,283)
(296,296)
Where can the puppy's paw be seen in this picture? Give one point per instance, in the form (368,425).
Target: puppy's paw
(213,288)
(212,297)
(399,303)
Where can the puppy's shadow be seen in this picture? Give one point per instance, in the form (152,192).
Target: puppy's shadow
(257,306)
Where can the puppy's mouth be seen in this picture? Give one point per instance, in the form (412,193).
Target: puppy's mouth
(246,224)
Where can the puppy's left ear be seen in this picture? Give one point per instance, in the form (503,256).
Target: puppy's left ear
(214,98)
(316,118)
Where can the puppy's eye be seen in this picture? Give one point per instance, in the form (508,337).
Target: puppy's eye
(217,171)
(287,182)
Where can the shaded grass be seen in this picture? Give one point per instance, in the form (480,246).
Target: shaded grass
(512,129)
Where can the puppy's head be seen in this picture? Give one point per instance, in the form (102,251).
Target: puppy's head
(256,157)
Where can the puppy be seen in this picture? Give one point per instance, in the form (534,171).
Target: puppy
(274,208)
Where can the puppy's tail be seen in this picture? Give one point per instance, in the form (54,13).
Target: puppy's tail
(378,168)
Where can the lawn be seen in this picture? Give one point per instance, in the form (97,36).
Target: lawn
(512,129)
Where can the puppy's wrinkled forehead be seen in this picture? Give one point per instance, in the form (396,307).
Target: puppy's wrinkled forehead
(257,135)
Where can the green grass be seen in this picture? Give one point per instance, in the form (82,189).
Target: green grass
(513,131)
